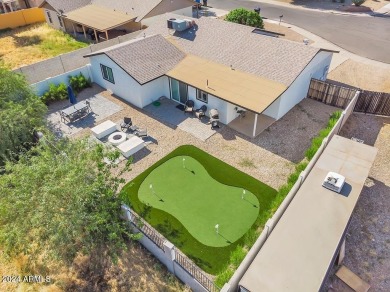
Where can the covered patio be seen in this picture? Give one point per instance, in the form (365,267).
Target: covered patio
(251,124)
(99,20)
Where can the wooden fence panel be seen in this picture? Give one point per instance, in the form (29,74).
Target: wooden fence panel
(371,102)
(330,94)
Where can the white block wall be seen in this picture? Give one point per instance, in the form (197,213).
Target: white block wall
(298,89)
(125,87)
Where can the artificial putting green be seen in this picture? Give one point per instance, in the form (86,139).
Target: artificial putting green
(212,259)
(185,190)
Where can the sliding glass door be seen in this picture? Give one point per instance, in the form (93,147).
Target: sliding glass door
(179,91)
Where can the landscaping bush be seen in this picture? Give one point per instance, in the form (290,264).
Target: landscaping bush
(358,2)
(55,92)
(246,17)
(79,82)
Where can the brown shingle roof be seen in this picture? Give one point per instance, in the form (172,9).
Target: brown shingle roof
(66,5)
(144,59)
(233,44)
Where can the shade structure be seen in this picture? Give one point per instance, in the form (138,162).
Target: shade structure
(71,95)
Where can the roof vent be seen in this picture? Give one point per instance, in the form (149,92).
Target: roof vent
(334,182)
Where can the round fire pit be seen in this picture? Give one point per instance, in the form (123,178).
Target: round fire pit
(117,138)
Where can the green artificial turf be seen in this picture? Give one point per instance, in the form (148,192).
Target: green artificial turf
(186,191)
(188,239)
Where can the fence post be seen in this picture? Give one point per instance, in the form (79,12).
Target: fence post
(169,250)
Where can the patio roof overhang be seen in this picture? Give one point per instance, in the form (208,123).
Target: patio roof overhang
(242,89)
(99,18)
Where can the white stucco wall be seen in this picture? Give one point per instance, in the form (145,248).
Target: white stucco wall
(125,87)
(54,17)
(298,89)
(154,90)
(225,109)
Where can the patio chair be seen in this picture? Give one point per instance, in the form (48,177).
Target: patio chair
(64,117)
(126,124)
(88,105)
(141,133)
(189,107)
(201,112)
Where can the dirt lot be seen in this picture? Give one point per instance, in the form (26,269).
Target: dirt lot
(363,76)
(34,43)
(137,270)
(368,238)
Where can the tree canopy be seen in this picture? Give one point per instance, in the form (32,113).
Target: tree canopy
(21,111)
(246,17)
(60,198)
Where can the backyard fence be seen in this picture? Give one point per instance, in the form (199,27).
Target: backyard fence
(369,102)
(194,271)
(176,262)
(64,63)
(147,230)
(21,18)
(330,94)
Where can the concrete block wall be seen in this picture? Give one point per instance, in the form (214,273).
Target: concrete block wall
(166,255)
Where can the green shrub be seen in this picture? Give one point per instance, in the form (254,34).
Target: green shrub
(358,2)
(224,277)
(245,17)
(55,92)
(237,256)
(79,82)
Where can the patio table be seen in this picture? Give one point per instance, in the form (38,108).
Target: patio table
(75,112)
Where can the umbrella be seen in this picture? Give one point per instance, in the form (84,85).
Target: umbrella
(72,97)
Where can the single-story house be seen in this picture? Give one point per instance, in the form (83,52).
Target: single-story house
(223,65)
(102,19)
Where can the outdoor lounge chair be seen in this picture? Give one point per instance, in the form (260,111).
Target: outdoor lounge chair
(201,112)
(141,133)
(189,107)
(126,124)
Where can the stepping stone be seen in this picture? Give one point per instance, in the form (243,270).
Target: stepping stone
(352,280)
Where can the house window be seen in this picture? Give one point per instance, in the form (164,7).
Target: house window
(107,73)
(202,96)
(49,16)
(60,21)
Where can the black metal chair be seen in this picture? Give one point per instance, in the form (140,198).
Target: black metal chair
(126,124)
(189,107)
(201,112)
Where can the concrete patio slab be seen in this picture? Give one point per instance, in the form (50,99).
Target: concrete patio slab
(168,113)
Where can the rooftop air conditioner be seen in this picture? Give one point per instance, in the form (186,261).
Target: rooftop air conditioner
(334,182)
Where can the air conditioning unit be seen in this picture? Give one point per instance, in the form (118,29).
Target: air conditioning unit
(180,24)
(334,182)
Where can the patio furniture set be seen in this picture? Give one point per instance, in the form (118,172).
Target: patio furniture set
(127,144)
(75,112)
(201,112)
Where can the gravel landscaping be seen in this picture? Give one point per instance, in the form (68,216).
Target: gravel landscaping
(368,238)
(270,157)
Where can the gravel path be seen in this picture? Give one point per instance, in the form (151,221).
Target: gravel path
(368,238)
(270,157)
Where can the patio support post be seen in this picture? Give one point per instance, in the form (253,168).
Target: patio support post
(74,30)
(106,35)
(5,9)
(96,38)
(254,126)
(85,34)
(341,253)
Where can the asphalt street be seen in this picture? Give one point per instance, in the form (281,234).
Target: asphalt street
(367,36)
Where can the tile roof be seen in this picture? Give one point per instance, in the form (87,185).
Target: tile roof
(67,5)
(235,45)
(144,59)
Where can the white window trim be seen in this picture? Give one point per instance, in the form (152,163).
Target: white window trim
(200,93)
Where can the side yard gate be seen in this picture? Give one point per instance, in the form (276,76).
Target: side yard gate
(369,102)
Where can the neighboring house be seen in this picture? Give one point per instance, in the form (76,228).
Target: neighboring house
(102,19)
(217,63)
(13,5)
